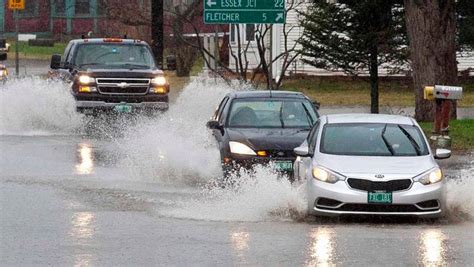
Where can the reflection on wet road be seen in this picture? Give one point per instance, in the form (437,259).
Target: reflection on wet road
(85,159)
(433,248)
(322,251)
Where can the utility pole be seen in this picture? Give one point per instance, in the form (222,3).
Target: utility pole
(17,63)
(157,34)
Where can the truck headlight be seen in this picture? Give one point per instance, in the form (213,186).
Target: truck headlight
(430,177)
(325,175)
(160,81)
(84,79)
(239,148)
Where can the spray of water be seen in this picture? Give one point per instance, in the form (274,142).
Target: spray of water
(176,147)
(34,106)
(460,198)
(260,194)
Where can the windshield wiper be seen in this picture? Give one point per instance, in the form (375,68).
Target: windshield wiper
(412,140)
(308,116)
(90,64)
(390,148)
(281,116)
(131,65)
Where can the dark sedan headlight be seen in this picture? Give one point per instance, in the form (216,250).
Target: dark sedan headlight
(239,148)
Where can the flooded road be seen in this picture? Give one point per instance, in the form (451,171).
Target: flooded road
(141,191)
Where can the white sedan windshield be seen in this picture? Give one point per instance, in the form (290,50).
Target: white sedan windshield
(373,139)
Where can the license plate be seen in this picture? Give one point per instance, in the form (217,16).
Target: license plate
(123,108)
(379,197)
(284,165)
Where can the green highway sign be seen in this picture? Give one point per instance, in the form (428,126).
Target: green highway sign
(244,11)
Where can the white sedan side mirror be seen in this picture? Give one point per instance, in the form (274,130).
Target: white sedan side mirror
(302,151)
(442,153)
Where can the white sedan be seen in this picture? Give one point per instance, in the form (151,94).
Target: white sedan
(370,164)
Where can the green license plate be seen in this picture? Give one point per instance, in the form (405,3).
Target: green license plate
(284,165)
(379,197)
(123,108)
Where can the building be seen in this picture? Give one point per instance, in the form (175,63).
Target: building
(276,44)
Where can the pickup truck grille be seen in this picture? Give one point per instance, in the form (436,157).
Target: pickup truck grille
(123,86)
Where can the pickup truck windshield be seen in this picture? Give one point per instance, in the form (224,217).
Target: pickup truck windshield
(113,55)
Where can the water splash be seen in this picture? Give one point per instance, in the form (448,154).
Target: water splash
(460,199)
(176,147)
(34,106)
(261,194)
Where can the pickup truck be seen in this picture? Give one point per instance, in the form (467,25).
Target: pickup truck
(112,74)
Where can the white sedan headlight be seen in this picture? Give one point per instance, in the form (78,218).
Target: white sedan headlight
(160,80)
(430,177)
(325,175)
(239,148)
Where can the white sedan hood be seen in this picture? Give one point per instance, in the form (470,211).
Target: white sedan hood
(365,166)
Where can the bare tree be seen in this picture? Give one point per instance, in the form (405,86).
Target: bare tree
(127,17)
(238,54)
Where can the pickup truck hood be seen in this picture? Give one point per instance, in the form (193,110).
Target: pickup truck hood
(123,73)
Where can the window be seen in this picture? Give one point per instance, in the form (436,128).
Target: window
(31,9)
(113,55)
(250,32)
(60,7)
(271,113)
(236,30)
(102,7)
(372,139)
(82,7)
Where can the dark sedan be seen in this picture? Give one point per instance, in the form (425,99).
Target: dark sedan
(256,127)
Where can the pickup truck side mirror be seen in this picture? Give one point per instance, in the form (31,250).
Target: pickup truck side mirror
(55,62)
(215,125)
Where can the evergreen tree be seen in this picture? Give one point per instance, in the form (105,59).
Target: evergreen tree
(465,10)
(355,36)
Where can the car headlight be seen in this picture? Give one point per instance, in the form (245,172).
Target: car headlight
(160,80)
(325,175)
(84,79)
(239,148)
(430,177)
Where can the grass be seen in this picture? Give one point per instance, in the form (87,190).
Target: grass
(197,66)
(460,131)
(337,91)
(35,52)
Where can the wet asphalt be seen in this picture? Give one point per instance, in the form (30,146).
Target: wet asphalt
(66,200)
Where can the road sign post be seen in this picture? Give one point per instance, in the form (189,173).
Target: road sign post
(16,5)
(244,11)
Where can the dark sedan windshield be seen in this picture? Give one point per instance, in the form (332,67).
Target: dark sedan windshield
(373,139)
(113,55)
(271,113)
